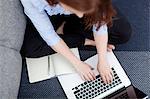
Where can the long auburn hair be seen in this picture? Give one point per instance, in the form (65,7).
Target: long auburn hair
(96,11)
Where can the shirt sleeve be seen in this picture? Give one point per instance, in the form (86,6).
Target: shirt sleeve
(103,30)
(42,23)
(54,10)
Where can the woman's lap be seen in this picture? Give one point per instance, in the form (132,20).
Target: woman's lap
(34,45)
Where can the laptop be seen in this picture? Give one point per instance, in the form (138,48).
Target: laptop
(75,88)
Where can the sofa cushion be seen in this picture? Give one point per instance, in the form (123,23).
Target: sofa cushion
(10,73)
(12,24)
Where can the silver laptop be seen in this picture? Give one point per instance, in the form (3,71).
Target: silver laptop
(75,88)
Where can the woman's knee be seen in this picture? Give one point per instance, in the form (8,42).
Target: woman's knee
(122,29)
(126,35)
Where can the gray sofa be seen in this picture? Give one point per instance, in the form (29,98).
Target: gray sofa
(12,27)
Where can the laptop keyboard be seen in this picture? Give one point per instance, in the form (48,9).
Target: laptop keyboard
(91,89)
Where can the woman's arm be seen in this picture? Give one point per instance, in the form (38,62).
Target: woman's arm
(42,23)
(101,40)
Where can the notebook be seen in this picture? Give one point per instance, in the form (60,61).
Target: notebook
(47,67)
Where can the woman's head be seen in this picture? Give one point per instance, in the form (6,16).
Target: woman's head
(103,13)
(94,11)
(78,7)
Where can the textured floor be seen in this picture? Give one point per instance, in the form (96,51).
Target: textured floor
(136,65)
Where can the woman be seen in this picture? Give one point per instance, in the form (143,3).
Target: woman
(97,14)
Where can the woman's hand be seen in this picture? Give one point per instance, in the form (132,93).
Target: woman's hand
(85,71)
(105,71)
(82,68)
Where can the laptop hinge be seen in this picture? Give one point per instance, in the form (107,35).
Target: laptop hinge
(115,93)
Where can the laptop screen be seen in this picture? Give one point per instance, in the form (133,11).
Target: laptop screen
(128,93)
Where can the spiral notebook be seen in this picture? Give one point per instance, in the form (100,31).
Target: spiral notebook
(47,67)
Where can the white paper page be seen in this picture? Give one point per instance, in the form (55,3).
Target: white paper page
(51,69)
(37,69)
(62,65)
